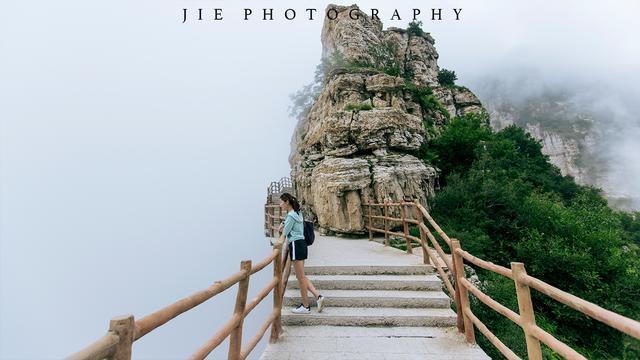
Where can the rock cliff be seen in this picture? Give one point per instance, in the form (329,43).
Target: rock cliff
(563,151)
(377,106)
(564,127)
(582,139)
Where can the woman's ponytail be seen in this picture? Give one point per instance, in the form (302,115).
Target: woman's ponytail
(292,201)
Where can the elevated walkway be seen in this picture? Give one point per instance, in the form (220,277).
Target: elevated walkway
(382,303)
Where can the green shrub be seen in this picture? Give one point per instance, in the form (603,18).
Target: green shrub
(424,96)
(415,28)
(358,107)
(384,57)
(454,150)
(430,103)
(447,77)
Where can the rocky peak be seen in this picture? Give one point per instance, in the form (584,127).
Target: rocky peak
(378,105)
(363,41)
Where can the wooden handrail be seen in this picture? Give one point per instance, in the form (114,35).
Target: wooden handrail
(117,343)
(443,275)
(123,331)
(614,320)
(425,213)
(162,316)
(426,258)
(280,266)
(261,295)
(487,300)
(217,339)
(266,261)
(555,344)
(459,293)
(487,265)
(436,246)
(235,338)
(427,252)
(105,347)
(504,350)
(256,339)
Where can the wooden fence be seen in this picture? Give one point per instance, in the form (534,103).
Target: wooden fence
(273,216)
(380,219)
(124,331)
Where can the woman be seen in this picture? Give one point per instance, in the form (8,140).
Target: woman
(293,230)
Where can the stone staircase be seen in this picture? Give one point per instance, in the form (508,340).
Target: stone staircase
(372,296)
(381,303)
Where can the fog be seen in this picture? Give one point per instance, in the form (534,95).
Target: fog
(135,150)
(607,142)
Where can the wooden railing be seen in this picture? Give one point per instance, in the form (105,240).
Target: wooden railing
(279,186)
(124,331)
(273,215)
(461,287)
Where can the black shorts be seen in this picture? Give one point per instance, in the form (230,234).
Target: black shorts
(298,250)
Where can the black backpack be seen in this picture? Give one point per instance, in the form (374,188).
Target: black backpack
(309,235)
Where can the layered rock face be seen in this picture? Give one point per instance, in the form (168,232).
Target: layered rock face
(358,142)
(570,138)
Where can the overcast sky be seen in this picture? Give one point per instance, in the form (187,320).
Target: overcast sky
(135,150)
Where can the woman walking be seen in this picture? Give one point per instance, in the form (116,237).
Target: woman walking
(293,230)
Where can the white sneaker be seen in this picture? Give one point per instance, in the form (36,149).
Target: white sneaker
(301,310)
(320,303)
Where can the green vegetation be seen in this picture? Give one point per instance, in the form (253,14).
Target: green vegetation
(447,77)
(358,107)
(415,28)
(401,244)
(383,60)
(455,149)
(384,57)
(303,99)
(506,202)
(424,96)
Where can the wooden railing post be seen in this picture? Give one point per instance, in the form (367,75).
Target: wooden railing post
(527,315)
(124,327)
(269,220)
(370,223)
(276,220)
(423,236)
(386,223)
(462,295)
(271,213)
(235,338)
(276,327)
(405,226)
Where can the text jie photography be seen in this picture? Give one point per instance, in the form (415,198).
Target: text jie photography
(314,14)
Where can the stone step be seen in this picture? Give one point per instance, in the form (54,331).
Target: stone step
(371,282)
(374,298)
(369,270)
(357,316)
(352,342)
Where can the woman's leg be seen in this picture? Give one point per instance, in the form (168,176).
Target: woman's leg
(308,284)
(298,266)
(312,288)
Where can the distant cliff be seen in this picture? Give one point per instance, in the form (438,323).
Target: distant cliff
(378,104)
(579,136)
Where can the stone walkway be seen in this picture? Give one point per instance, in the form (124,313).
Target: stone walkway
(354,343)
(381,304)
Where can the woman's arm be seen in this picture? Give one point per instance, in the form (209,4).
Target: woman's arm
(288,225)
